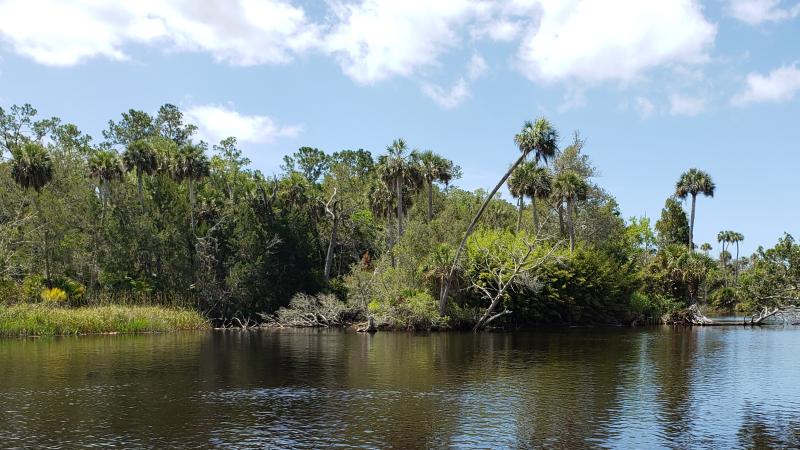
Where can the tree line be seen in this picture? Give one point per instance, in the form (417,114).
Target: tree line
(150,214)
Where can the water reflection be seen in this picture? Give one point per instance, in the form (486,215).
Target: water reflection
(577,388)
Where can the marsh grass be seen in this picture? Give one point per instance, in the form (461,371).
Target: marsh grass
(45,320)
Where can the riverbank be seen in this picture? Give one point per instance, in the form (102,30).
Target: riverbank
(44,320)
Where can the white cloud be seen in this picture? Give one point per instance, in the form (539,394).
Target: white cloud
(216,122)
(448,98)
(684,105)
(780,85)
(244,32)
(377,39)
(754,12)
(617,40)
(460,91)
(644,107)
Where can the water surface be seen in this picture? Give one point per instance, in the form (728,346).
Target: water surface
(716,387)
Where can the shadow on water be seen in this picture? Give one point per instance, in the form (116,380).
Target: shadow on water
(719,387)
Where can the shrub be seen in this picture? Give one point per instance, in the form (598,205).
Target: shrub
(32,287)
(10,292)
(54,295)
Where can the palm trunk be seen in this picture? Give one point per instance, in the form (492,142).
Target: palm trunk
(44,238)
(331,243)
(722,263)
(570,226)
(736,267)
(470,229)
(520,206)
(535,214)
(399,190)
(139,186)
(561,218)
(191,205)
(389,240)
(691,223)
(430,200)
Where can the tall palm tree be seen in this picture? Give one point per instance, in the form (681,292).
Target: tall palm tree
(140,156)
(539,138)
(191,164)
(539,187)
(706,247)
(724,238)
(736,238)
(432,168)
(398,172)
(692,183)
(570,187)
(105,166)
(519,186)
(31,167)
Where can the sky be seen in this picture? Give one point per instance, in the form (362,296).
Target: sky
(654,86)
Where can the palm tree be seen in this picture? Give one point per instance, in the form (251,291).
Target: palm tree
(694,182)
(539,138)
(736,238)
(141,157)
(724,238)
(191,164)
(397,171)
(519,186)
(432,168)
(706,247)
(570,187)
(105,166)
(31,167)
(541,187)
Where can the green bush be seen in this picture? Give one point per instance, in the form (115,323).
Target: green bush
(32,287)
(10,291)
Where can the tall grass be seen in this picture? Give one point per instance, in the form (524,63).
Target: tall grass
(45,320)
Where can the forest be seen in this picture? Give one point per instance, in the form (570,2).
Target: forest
(150,215)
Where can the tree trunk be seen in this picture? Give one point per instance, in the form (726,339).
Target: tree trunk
(486,314)
(44,239)
(399,190)
(191,205)
(520,206)
(470,229)
(535,214)
(332,243)
(389,240)
(691,223)
(736,267)
(430,200)
(139,186)
(570,226)
(561,218)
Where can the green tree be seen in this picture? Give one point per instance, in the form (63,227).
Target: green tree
(105,166)
(433,168)
(191,164)
(313,163)
(141,158)
(693,183)
(570,187)
(398,172)
(32,168)
(673,226)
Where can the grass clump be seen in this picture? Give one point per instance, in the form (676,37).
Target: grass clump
(48,320)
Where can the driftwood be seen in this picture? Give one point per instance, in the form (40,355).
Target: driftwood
(785,315)
(688,316)
(368,327)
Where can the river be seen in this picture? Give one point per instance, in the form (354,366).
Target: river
(658,387)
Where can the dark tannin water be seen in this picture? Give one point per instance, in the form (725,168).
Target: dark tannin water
(719,387)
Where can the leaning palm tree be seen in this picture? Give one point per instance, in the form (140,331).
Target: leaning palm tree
(105,166)
(692,183)
(191,164)
(539,138)
(140,156)
(540,186)
(570,187)
(31,167)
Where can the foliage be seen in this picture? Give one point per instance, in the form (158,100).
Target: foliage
(673,226)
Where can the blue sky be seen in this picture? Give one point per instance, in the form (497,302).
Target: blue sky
(656,87)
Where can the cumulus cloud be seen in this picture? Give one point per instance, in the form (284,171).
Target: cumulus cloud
(780,85)
(684,105)
(216,122)
(242,32)
(378,39)
(614,40)
(755,12)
